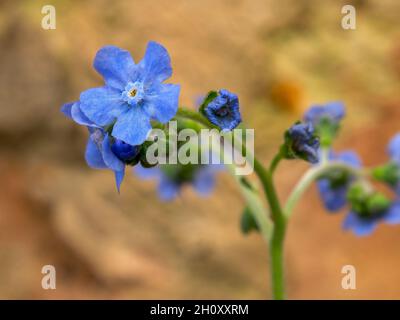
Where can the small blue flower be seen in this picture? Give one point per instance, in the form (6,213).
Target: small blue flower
(172,178)
(326,121)
(302,142)
(223,111)
(133,94)
(363,226)
(333,188)
(333,111)
(102,150)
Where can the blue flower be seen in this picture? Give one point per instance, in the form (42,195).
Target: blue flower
(302,142)
(333,111)
(223,111)
(365,225)
(326,121)
(133,94)
(172,178)
(333,187)
(102,150)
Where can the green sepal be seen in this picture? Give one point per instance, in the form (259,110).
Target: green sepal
(357,196)
(377,202)
(141,157)
(388,173)
(327,131)
(211,95)
(366,203)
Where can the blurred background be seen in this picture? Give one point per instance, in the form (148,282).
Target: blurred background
(280,57)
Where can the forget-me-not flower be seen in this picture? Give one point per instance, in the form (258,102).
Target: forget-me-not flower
(133,94)
(333,111)
(326,120)
(333,187)
(362,225)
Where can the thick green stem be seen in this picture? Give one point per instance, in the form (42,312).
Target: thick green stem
(278,234)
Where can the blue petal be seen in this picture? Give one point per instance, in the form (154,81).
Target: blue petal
(301,131)
(167,189)
(162,102)
(79,117)
(335,110)
(93,155)
(102,105)
(392,216)
(311,152)
(349,157)
(156,63)
(132,127)
(333,199)
(147,173)
(119,176)
(109,157)
(313,114)
(66,109)
(359,226)
(115,65)
(332,110)
(204,181)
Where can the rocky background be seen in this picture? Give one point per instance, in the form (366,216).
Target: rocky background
(279,56)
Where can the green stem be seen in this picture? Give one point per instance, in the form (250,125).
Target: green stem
(278,234)
(275,161)
(189,114)
(313,174)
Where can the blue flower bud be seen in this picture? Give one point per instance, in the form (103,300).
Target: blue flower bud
(125,152)
(301,142)
(223,110)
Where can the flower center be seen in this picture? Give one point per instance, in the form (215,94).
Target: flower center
(133,93)
(222,112)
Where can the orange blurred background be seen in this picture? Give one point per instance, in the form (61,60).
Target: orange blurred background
(279,56)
